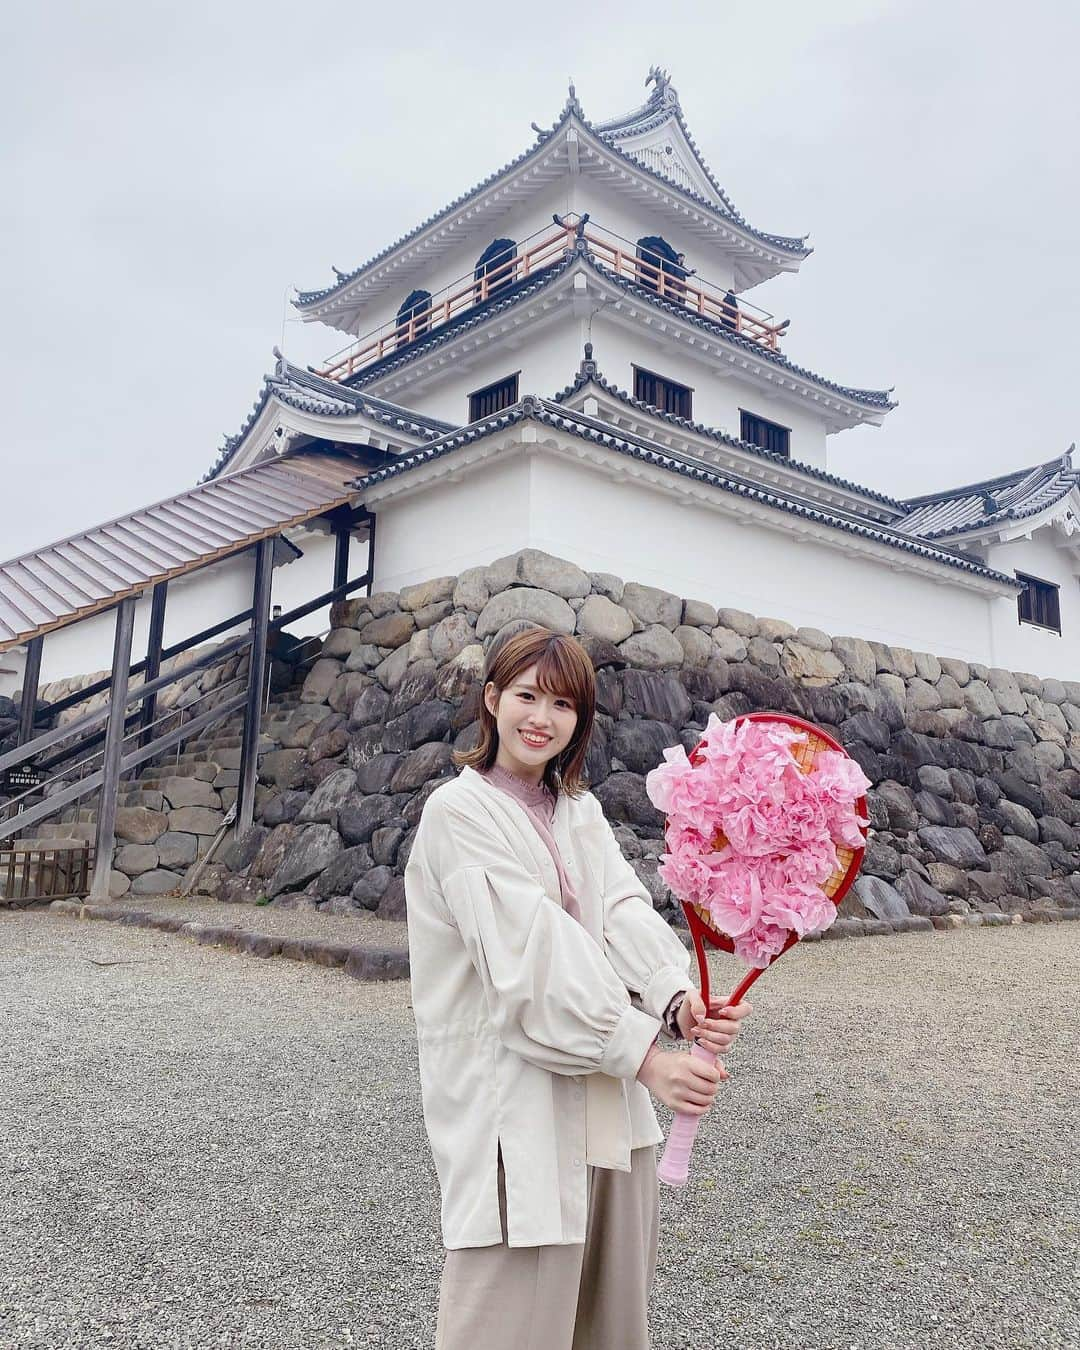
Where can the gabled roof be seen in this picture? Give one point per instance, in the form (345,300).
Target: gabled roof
(588,374)
(307,392)
(89,571)
(549,413)
(992,502)
(609,135)
(663,106)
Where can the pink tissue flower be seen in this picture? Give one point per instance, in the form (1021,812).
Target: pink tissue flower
(750,837)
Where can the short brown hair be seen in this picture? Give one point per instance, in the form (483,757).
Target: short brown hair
(562,667)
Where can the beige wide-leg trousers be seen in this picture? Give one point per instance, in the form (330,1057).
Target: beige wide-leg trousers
(576,1297)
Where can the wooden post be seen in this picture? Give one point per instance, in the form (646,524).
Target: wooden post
(260,619)
(153,658)
(31,678)
(371,553)
(114,745)
(342,539)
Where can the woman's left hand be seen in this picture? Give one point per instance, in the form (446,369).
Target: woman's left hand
(716,1033)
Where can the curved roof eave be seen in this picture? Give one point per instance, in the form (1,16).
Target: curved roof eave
(876,399)
(310,393)
(583,379)
(553,414)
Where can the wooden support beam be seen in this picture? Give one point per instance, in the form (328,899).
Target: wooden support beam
(152,665)
(371,551)
(260,620)
(114,747)
(342,539)
(31,679)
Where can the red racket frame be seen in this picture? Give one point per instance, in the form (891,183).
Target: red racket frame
(703,934)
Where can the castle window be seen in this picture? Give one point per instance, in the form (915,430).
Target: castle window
(661,268)
(666,395)
(414,316)
(495,268)
(493,398)
(1038,603)
(768,435)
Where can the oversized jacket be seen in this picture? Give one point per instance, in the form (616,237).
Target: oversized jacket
(529,1041)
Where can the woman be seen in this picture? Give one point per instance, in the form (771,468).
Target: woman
(541,979)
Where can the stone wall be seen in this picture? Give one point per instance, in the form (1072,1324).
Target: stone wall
(976,772)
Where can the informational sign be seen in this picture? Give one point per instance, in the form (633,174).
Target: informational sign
(22,779)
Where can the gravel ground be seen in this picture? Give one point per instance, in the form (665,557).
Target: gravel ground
(205,1150)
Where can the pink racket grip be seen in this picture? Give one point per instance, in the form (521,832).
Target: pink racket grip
(674,1167)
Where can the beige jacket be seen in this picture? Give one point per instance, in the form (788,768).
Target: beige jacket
(528,1038)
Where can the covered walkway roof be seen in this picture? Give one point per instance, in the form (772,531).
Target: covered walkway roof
(89,572)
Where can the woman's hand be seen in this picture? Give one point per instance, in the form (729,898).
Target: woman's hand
(682,1081)
(716,1033)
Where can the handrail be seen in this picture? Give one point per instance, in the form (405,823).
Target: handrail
(135,695)
(140,692)
(544,249)
(67,795)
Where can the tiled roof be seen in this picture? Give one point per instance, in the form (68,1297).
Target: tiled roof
(308,392)
(995,501)
(871,398)
(587,376)
(90,571)
(554,415)
(794,244)
(663,106)
(461,323)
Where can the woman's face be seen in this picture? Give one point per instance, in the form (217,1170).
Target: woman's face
(533,725)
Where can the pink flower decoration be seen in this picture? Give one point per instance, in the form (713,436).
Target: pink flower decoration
(750,837)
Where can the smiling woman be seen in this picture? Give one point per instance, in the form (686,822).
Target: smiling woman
(541,978)
(537,711)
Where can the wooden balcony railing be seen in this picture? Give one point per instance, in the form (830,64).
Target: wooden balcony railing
(545,249)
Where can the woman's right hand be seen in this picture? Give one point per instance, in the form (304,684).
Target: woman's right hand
(683,1081)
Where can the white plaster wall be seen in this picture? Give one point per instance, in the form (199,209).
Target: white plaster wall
(618,347)
(194,602)
(1020,646)
(452,526)
(573,512)
(547,357)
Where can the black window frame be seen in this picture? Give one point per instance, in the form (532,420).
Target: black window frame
(499,257)
(661,392)
(772,437)
(1039,603)
(415,308)
(493,398)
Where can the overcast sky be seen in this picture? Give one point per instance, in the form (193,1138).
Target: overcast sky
(170,170)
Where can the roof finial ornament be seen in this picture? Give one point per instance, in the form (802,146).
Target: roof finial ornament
(990,504)
(662,80)
(572,104)
(279,368)
(338,272)
(587,369)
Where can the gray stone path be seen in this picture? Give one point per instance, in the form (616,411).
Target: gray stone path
(200,1149)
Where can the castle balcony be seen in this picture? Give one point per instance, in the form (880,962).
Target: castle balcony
(498,273)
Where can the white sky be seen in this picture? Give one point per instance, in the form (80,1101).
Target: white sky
(170,170)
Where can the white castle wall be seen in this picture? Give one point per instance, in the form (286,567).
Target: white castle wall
(717,399)
(568,510)
(1020,646)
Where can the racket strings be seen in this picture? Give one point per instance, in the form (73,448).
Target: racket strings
(805,753)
